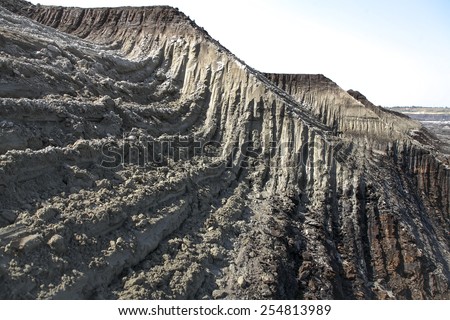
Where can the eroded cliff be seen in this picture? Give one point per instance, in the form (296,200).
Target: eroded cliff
(141,159)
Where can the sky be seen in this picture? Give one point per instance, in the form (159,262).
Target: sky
(397,52)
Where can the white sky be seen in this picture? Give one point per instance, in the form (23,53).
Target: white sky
(395,52)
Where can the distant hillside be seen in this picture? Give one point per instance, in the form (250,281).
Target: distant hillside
(437,120)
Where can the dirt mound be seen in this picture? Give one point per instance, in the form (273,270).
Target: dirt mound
(140,159)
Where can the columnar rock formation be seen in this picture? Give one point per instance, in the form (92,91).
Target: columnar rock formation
(141,159)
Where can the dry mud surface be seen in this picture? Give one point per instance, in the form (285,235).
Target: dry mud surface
(140,159)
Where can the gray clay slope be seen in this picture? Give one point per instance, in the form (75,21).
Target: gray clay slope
(304,191)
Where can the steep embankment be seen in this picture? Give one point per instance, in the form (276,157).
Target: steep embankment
(143,160)
(355,118)
(418,154)
(341,110)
